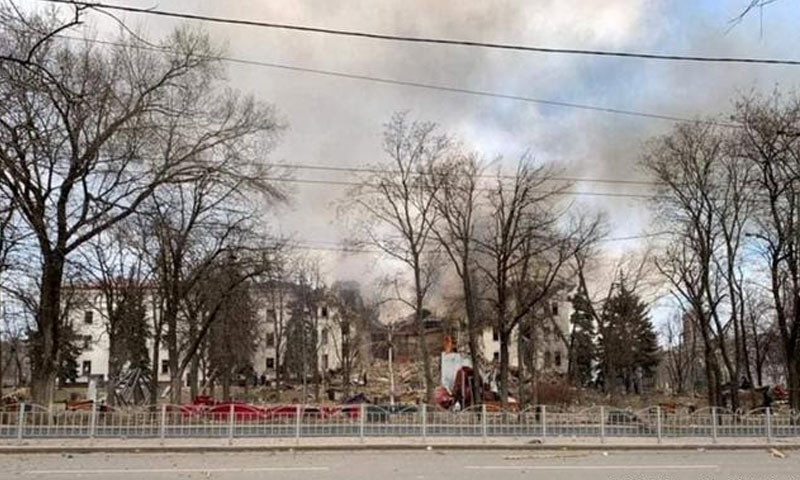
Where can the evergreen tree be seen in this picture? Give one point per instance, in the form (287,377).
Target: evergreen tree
(301,340)
(628,347)
(131,329)
(67,362)
(582,350)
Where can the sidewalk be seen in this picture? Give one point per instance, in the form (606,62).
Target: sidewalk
(380,443)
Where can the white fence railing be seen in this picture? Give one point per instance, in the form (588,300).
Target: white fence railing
(234,420)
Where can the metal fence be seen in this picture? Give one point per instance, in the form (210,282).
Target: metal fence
(239,421)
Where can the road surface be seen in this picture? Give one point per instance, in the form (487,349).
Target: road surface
(417,464)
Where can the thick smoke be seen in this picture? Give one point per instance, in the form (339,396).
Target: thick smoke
(338,122)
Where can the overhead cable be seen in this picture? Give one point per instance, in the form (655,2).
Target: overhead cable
(428,40)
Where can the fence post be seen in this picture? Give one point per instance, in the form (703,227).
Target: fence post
(714,424)
(602,424)
(297,424)
(361,417)
(769,425)
(658,423)
(424,411)
(231,423)
(93,420)
(20,420)
(483,422)
(544,421)
(162,432)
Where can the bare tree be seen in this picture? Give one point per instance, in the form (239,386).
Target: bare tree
(114,268)
(277,289)
(705,200)
(307,307)
(679,354)
(456,181)
(232,336)
(750,7)
(32,35)
(12,338)
(763,335)
(397,209)
(525,249)
(770,139)
(90,133)
(10,241)
(351,317)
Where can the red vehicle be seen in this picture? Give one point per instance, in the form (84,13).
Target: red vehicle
(242,412)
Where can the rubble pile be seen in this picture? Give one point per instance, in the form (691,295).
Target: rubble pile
(409,384)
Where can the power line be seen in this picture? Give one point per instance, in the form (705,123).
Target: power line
(301,166)
(428,40)
(347,183)
(429,86)
(329,246)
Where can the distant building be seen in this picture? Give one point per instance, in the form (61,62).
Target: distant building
(405,337)
(552,325)
(276,300)
(88,319)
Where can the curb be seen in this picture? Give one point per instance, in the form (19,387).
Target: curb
(146,449)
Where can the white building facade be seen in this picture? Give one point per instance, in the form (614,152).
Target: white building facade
(275,311)
(89,321)
(552,352)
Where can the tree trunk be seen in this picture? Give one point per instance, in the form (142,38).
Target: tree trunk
(44,367)
(154,385)
(793,384)
(523,351)
(171,320)
(194,378)
(278,370)
(2,367)
(176,382)
(533,357)
(505,337)
(346,367)
(226,386)
(194,365)
(474,356)
(317,384)
(423,344)
(792,376)
(472,340)
(114,369)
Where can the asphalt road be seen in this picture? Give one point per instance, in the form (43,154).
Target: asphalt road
(419,464)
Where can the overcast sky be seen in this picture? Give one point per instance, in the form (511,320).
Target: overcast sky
(338,122)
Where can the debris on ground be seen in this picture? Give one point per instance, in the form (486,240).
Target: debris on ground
(544,456)
(775,453)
